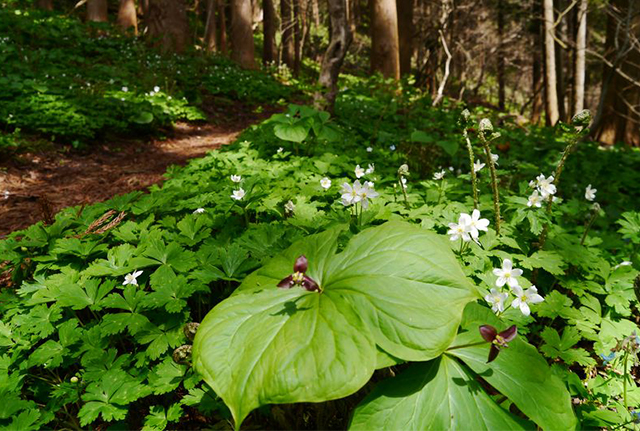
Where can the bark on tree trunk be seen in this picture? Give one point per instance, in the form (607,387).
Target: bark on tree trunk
(242,33)
(561,84)
(269,51)
(340,39)
(168,22)
(210,27)
(287,24)
(501,53)
(579,68)
(222,21)
(127,17)
(385,53)
(537,81)
(97,11)
(551,90)
(298,12)
(44,4)
(405,34)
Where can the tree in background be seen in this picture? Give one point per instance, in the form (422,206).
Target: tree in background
(127,17)
(287,44)
(405,34)
(97,11)
(579,72)
(340,39)
(269,18)
(44,4)
(385,49)
(168,23)
(550,73)
(210,27)
(242,49)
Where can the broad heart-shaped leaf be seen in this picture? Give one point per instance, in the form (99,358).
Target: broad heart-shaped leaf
(395,286)
(283,346)
(436,395)
(519,372)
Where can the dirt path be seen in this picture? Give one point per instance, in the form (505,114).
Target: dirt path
(34,186)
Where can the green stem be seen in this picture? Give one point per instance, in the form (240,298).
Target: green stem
(441,191)
(624,382)
(588,227)
(461,346)
(404,192)
(494,181)
(474,185)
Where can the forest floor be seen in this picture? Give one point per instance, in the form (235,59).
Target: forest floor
(36,185)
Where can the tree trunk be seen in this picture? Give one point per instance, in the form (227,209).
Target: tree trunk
(537,81)
(168,23)
(385,54)
(299,7)
(617,118)
(561,84)
(579,68)
(97,11)
(210,28)
(405,34)
(127,17)
(44,4)
(340,39)
(287,24)
(315,11)
(501,54)
(222,25)
(242,34)
(551,90)
(269,51)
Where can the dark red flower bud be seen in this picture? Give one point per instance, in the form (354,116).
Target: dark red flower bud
(299,277)
(498,340)
(287,282)
(301,264)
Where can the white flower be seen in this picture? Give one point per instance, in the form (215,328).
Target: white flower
(589,193)
(475,223)
(451,168)
(524,298)
(325,183)
(369,149)
(507,274)
(236,178)
(494,159)
(623,263)
(370,168)
(439,175)
(403,180)
(477,166)
(392,147)
(461,229)
(199,211)
(290,207)
(545,185)
(131,278)
(351,195)
(359,172)
(156,89)
(367,192)
(238,194)
(125,89)
(534,200)
(280,150)
(496,299)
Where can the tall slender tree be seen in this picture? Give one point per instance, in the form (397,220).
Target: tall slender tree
(405,34)
(537,101)
(385,50)
(222,25)
(340,39)
(97,11)
(210,27)
(127,17)
(501,54)
(287,24)
(550,84)
(242,33)
(579,71)
(269,51)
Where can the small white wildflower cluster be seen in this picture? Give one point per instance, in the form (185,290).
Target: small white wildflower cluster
(361,172)
(358,193)
(439,175)
(590,193)
(544,190)
(508,275)
(468,227)
(239,193)
(477,166)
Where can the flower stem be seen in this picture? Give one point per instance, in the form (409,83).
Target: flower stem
(474,185)
(588,227)
(462,346)
(494,180)
(441,191)
(404,192)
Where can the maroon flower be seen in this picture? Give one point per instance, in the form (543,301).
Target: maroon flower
(497,340)
(299,277)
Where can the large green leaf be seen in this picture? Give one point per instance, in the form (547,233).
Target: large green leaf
(296,132)
(519,372)
(396,286)
(436,395)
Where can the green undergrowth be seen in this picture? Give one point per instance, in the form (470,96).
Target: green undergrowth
(76,83)
(80,349)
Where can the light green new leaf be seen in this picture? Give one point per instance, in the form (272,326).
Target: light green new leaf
(519,372)
(436,395)
(395,286)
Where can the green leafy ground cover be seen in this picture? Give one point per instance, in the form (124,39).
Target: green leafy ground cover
(96,306)
(63,80)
